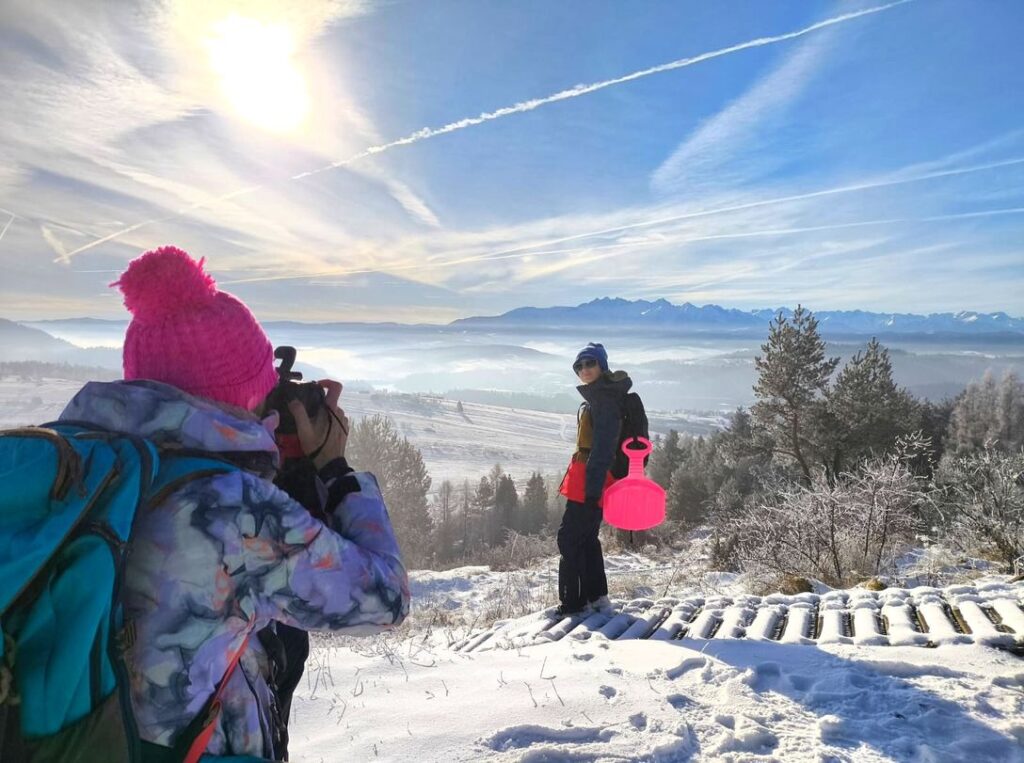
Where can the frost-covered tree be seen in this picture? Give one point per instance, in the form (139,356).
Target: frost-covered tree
(988,412)
(983,503)
(793,377)
(836,531)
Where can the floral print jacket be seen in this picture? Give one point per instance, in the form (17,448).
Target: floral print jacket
(226,555)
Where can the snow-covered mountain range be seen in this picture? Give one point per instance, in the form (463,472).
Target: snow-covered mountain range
(662,314)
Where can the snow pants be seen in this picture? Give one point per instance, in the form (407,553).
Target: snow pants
(581,577)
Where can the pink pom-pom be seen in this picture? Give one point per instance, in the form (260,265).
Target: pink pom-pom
(163,282)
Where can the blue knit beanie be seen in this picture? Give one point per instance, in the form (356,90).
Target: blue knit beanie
(595,351)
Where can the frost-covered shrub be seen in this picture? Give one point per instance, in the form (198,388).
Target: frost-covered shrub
(517,552)
(837,533)
(982,503)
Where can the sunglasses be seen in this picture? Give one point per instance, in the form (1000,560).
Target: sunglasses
(579,365)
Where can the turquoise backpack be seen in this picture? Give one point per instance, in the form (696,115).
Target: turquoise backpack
(69,496)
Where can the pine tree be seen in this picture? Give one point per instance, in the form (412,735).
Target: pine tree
(793,378)
(374,445)
(447,526)
(469,519)
(483,505)
(665,458)
(506,509)
(866,411)
(535,505)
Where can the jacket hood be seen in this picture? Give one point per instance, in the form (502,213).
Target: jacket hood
(610,382)
(169,417)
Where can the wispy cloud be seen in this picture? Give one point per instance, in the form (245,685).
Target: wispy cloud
(542,247)
(732,147)
(522,107)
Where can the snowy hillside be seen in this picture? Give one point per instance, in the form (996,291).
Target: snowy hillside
(412,696)
(454,445)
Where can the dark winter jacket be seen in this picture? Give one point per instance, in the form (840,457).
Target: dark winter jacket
(604,400)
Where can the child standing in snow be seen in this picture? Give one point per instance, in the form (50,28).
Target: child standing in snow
(222,556)
(581,576)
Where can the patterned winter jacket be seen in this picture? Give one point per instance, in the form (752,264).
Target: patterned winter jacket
(226,555)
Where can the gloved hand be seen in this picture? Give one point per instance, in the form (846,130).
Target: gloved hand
(590,502)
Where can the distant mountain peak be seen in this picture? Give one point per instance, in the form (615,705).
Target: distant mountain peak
(616,312)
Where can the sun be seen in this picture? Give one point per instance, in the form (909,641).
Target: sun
(253,62)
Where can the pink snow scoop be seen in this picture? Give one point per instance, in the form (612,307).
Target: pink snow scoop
(635,502)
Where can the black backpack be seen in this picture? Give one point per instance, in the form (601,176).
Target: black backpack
(634,424)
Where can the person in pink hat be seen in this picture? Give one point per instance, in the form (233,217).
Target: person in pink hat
(222,557)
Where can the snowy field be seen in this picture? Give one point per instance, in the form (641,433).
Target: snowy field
(412,696)
(454,445)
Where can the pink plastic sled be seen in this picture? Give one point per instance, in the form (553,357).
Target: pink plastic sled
(635,502)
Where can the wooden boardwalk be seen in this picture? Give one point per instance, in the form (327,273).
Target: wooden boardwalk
(991,615)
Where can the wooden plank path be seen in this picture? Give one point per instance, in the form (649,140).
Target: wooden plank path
(990,614)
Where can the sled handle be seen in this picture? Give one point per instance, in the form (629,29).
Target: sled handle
(636,456)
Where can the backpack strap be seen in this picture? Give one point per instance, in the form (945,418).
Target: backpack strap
(179,469)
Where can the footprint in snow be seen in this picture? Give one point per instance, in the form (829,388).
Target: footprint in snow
(585,657)
(764,676)
(608,692)
(638,721)
(800,683)
(726,720)
(679,702)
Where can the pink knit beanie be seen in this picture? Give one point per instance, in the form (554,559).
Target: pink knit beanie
(186,333)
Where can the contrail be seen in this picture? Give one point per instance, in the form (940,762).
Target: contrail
(574,92)
(4,231)
(532,249)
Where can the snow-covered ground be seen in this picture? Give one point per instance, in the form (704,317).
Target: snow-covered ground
(412,696)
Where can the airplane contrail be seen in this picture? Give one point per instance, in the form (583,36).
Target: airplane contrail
(8,225)
(519,108)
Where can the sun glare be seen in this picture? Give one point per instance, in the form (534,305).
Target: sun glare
(253,62)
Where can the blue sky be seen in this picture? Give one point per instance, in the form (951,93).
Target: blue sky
(838,154)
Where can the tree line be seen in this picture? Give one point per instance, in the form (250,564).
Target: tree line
(833,470)
(460,523)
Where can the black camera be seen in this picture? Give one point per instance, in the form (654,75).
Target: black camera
(291,387)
